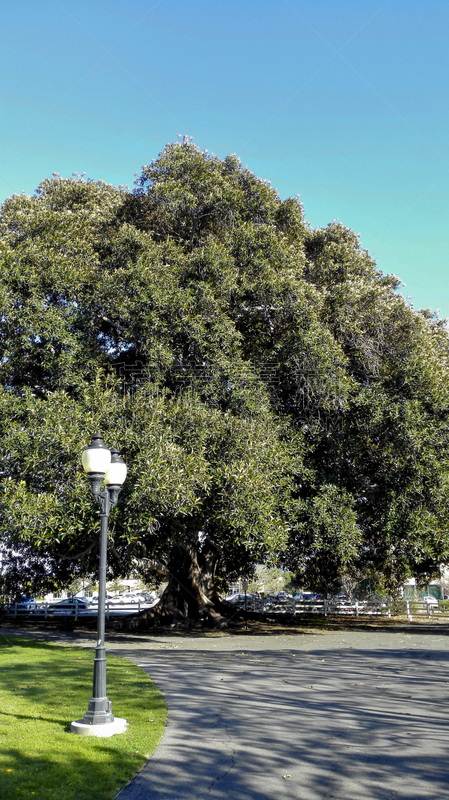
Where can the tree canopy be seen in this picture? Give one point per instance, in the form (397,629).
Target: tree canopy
(272,393)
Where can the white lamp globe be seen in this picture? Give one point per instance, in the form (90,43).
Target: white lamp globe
(116,472)
(96,457)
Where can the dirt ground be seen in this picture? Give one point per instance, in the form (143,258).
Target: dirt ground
(254,625)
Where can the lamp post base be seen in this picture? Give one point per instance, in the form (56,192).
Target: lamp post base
(99,711)
(106,729)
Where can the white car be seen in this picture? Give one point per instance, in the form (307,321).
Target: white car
(94,601)
(430,600)
(129,597)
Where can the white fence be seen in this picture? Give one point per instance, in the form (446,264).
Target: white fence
(289,605)
(254,603)
(39,611)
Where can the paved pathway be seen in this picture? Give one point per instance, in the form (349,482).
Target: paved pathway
(344,715)
(348,716)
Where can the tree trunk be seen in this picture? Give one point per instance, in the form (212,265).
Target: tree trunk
(190,597)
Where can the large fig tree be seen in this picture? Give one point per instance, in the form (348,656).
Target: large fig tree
(273,395)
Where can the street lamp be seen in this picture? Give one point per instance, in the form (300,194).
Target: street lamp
(102,465)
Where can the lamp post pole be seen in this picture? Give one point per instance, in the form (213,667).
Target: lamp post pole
(102,464)
(99,710)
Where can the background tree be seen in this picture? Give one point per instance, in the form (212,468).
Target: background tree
(271,580)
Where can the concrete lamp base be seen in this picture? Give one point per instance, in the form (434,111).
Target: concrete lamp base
(108,729)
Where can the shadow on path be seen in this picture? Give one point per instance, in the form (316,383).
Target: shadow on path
(348,724)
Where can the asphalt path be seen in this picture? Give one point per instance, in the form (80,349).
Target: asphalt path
(347,715)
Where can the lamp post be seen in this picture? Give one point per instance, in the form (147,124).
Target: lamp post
(102,465)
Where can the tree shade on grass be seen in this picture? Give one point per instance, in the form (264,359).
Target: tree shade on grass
(43,687)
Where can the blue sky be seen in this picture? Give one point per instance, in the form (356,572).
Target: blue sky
(343,103)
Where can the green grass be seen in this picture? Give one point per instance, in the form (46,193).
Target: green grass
(44,687)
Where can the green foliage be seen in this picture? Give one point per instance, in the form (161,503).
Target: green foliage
(326,538)
(189,194)
(273,396)
(271,580)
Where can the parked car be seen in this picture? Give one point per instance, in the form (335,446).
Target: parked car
(430,600)
(129,597)
(68,607)
(23,605)
(270,600)
(151,597)
(341,599)
(109,598)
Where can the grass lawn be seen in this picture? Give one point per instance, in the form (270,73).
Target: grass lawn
(44,687)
